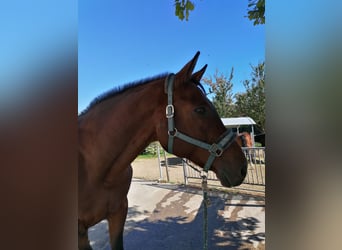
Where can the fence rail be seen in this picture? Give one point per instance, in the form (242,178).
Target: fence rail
(255,171)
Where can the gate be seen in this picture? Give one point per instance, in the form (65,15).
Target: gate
(256,168)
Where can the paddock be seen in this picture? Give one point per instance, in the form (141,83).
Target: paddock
(169,216)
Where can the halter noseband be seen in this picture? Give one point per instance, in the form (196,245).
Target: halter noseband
(215,149)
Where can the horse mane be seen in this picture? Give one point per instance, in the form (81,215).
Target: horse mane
(120,89)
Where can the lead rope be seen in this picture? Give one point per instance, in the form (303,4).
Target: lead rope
(206,203)
(215,149)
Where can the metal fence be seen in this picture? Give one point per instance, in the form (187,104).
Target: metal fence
(256,168)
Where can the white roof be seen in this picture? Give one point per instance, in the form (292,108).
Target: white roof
(237,121)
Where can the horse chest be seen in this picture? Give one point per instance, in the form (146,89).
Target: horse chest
(96,200)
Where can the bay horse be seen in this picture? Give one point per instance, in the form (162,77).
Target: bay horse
(244,139)
(117,126)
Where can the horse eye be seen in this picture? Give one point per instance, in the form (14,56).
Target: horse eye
(200,110)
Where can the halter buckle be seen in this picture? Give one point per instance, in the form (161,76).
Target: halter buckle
(172,133)
(170,111)
(215,150)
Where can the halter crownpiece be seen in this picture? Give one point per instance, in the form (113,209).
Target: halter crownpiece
(215,149)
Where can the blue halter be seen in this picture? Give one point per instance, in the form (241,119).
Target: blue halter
(215,149)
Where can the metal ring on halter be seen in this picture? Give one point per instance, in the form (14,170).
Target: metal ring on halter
(173,132)
(216,150)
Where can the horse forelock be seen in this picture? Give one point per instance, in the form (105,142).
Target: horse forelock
(201,87)
(119,90)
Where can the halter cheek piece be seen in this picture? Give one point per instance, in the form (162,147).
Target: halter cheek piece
(215,149)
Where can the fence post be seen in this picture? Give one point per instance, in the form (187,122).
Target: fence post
(185,172)
(159,164)
(166,168)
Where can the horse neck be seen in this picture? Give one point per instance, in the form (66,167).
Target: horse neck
(140,106)
(118,129)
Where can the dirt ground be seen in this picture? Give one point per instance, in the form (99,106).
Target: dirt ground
(148,169)
(170,215)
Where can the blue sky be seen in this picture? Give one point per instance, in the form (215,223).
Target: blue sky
(124,41)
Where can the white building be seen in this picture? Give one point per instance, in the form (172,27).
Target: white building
(236,122)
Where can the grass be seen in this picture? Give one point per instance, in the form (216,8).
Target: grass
(152,156)
(147,156)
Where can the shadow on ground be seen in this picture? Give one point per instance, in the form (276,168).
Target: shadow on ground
(177,233)
(176,222)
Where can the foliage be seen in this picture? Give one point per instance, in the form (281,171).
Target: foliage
(252,103)
(151,149)
(256,11)
(221,87)
(183,9)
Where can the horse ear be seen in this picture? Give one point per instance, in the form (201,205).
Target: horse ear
(186,71)
(198,75)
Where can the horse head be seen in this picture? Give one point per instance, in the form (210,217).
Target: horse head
(193,129)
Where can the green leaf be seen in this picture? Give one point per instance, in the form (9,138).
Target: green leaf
(183,9)
(189,5)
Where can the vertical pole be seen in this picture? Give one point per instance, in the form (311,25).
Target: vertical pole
(159,164)
(205,210)
(185,172)
(253,136)
(166,168)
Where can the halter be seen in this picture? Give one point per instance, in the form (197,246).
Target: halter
(215,149)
